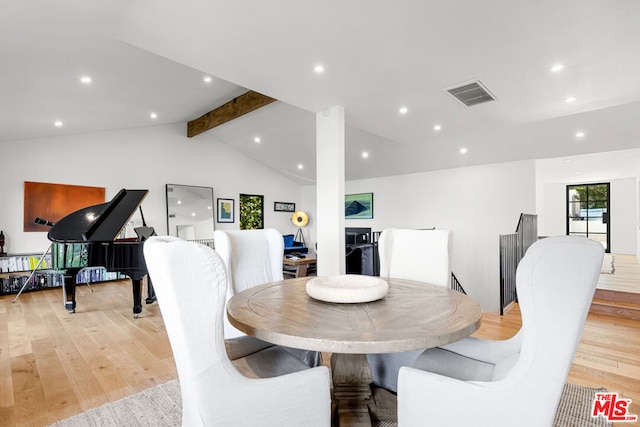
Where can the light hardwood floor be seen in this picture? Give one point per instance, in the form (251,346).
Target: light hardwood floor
(54,364)
(626,275)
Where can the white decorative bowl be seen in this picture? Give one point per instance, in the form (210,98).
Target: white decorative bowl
(347,288)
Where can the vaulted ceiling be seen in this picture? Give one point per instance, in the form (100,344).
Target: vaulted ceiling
(147,56)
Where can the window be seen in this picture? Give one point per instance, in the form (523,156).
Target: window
(588,212)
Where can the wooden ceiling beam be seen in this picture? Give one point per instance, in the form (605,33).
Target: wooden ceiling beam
(243,104)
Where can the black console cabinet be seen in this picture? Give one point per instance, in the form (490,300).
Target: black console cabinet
(360,251)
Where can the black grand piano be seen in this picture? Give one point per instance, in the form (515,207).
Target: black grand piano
(88,238)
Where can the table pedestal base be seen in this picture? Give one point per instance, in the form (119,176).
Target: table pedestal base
(385,405)
(351,389)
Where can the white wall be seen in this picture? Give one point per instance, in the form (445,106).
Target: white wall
(619,168)
(623,216)
(638,212)
(146,158)
(552,208)
(476,203)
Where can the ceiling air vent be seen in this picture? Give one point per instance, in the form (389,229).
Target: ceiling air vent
(471,93)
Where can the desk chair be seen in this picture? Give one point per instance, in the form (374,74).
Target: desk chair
(191,285)
(515,382)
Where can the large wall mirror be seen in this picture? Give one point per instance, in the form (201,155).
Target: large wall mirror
(190,212)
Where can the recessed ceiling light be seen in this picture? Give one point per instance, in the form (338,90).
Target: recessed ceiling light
(463,151)
(570,99)
(207,79)
(557,68)
(153,116)
(580,134)
(365,155)
(403,110)
(568,160)
(193,214)
(209,207)
(58,123)
(437,127)
(85,80)
(300,166)
(257,140)
(179,202)
(319,69)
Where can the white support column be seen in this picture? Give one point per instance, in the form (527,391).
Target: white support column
(330,155)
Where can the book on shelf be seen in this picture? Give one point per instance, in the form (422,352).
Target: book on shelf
(41,280)
(16,263)
(97,274)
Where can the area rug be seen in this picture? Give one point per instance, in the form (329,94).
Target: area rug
(161,406)
(575,405)
(608,264)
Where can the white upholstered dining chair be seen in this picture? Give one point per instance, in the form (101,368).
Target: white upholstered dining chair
(519,381)
(421,255)
(253,257)
(190,283)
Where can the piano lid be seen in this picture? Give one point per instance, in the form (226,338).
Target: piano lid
(98,223)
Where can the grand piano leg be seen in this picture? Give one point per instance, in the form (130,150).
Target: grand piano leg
(137,297)
(151,293)
(70,292)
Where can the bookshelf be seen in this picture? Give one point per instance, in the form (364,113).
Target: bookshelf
(15,270)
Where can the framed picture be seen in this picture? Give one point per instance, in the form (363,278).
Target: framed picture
(284,207)
(225,210)
(251,212)
(55,201)
(358,206)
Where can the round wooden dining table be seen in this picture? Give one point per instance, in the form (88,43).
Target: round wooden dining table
(411,316)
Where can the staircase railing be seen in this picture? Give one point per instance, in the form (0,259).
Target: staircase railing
(455,284)
(512,249)
(206,242)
